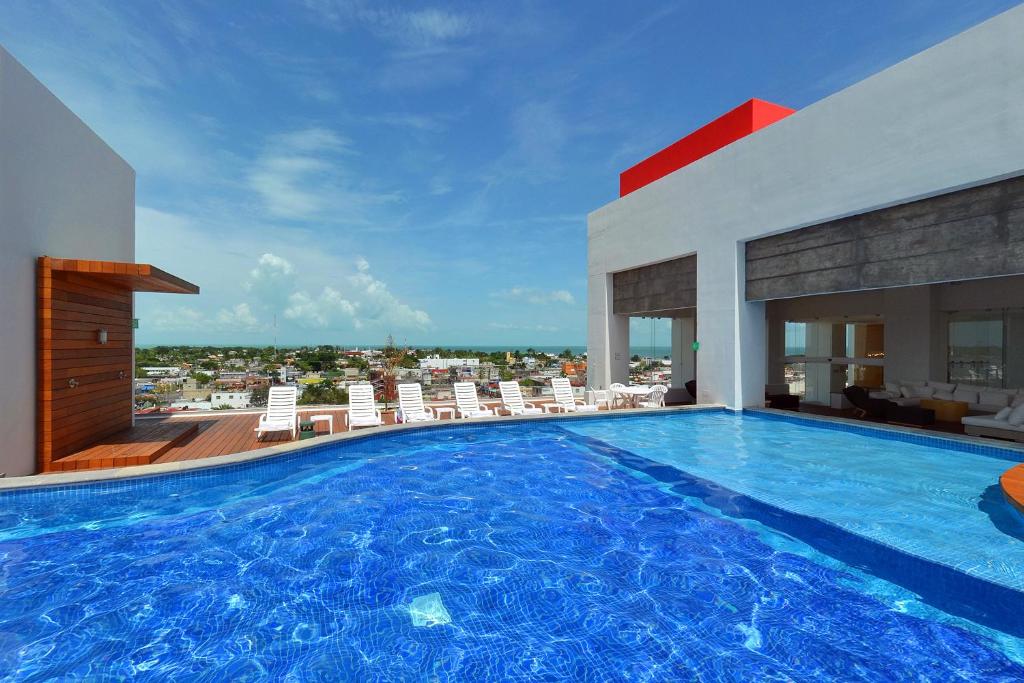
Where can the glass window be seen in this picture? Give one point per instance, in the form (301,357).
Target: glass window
(796,339)
(795,377)
(976,349)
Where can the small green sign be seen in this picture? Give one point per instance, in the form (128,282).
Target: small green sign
(696,345)
(135,323)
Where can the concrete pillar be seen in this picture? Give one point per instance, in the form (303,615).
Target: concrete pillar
(607,336)
(775,358)
(731,331)
(908,334)
(684,360)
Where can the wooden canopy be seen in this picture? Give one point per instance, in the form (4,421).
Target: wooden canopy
(85,352)
(136,277)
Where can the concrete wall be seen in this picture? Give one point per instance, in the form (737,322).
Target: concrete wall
(654,289)
(973,233)
(948,118)
(63,193)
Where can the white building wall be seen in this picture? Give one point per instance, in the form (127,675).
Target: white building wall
(63,193)
(948,118)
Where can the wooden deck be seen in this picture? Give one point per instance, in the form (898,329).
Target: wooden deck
(142,444)
(177,437)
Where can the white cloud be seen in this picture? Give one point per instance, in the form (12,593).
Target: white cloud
(301,175)
(534,295)
(378,304)
(322,310)
(367,301)
(238,318)
(176,318)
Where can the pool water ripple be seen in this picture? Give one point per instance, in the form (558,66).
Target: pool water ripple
(552,561)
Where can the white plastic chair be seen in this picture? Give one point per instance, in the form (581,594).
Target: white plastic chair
(565,401)
(656,397)
(512,400)
(281,415)
(362,409)
(410,404)
(617,396)
(601,396)
(467,404)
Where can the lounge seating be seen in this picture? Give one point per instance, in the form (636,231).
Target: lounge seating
(281,415)
(467,403)
(778,397)
(1008,423)
(678,396)
(410,404)
(362,408)
(655,399)
(565,401)
(980,400)
(865,406)
(512,400)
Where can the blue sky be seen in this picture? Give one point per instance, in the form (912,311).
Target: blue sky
(356,169)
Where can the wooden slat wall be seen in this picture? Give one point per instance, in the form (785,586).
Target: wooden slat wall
(73,307)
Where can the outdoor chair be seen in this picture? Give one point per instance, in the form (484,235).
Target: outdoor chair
(362,408)
(467,403)
(565,401)
(281,415)
(655,399)
(410,404)
(512,400)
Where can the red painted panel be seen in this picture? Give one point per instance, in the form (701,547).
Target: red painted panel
(745,119)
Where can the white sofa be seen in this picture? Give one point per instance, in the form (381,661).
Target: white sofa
(980,400)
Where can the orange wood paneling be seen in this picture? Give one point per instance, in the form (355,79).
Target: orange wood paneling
(84,387)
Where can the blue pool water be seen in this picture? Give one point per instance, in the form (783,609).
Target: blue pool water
(922,498)
(513,552)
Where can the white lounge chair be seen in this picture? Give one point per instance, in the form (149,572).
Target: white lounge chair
(362,409)
(410,404)
(656,398)
(565,401)
(467,404)
(281,415)
(512,400)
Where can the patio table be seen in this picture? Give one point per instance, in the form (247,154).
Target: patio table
(634,393)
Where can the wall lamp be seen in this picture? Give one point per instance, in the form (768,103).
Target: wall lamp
(101,336)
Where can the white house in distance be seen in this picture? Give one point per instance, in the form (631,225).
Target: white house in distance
(876,235)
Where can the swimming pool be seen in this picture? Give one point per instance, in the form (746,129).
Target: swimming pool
(521,551)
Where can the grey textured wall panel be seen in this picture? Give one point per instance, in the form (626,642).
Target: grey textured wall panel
(972,233)
(666,286)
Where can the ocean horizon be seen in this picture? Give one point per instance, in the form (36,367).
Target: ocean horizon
(554,349)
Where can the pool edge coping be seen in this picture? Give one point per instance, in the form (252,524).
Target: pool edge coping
(34,481)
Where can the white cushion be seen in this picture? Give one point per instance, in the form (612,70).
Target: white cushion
(893,388)
(1018,400)
(993,398)
(973,387)
(943,395)
(1003,414)
(942,386)
(923,392)
(965,395)
(1016,417)
(907,391)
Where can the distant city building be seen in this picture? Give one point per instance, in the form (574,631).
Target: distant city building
(438,363)
(162,371)
(234,399)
